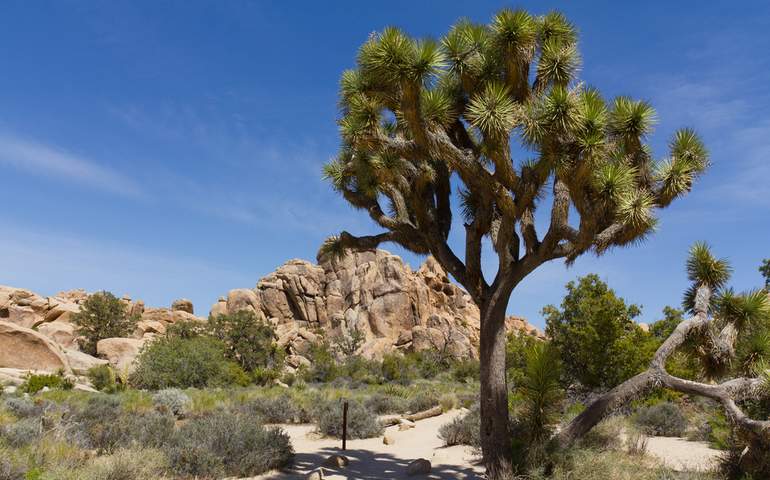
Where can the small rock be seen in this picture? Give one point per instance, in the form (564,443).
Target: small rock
(405,426)
(336,461)
(388,440)
(418,467)
(317,474)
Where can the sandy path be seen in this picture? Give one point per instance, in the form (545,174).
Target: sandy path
(683,455)
(370,459)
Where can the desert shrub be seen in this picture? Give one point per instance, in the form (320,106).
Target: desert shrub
(636,443)
(323,363)
(140,464)
(102,315)
(34,383)
(187,329)
(448,401)
(96,425)
(465,370)
(265,375)
(10,467)
(248,340)
(362,421)
(423,400)
(398,368)
(103,378)
(23,432)
(224,443)
(361,370)
(278,409)
(463,430)
(22,407)
(348,343)
(103,425)
(664,419)
(381,403)
(175,362)
(173,401)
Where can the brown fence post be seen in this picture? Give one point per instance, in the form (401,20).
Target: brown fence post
(344,424)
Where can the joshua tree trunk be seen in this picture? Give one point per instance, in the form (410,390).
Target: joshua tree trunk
(495,433)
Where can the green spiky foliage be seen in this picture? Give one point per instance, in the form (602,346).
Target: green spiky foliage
(737,341)
(425,124)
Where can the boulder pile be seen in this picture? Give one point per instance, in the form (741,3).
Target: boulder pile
(376,294)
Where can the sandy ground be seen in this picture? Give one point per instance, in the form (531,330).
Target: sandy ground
(370,459)
(682,455)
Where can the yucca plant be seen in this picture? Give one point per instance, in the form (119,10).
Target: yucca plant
(421,120)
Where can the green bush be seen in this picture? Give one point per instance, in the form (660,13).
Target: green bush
(102,315)
(465,370)
(362,421)
(248,341)
(324,367)
(103,378)
(463,430)
(172,401)
(399,368)
(187,329)
(34,383)
(175,362)
(227,444)
(423,400)
(664,419)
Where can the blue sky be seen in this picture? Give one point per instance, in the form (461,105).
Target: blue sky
(167,149)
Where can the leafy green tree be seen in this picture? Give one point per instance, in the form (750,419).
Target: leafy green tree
(247,339)
(595,332)
(422,120)
(764,269)
(102,315)
(664,327)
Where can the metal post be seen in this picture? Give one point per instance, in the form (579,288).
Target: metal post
(344,425)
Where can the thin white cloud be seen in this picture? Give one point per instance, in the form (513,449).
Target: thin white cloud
(39,159)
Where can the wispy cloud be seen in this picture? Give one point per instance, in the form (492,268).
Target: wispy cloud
(39,159)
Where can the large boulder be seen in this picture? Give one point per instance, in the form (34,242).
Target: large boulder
(60,332)
(24,348)
(81,362)
(183,305)
(120,352)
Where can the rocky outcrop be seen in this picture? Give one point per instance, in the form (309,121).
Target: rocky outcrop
(373,292)
(25,348)
(120,352)
(27,309)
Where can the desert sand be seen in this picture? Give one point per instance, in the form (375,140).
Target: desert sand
(370,459)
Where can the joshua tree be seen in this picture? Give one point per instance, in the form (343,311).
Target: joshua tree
(720,320)
(495,114)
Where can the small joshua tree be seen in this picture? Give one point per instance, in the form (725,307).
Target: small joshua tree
(101,316)
(494,113)
(729,334)
(764,269)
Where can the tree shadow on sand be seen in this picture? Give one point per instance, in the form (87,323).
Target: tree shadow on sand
(368,465)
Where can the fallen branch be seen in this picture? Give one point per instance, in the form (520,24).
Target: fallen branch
(396,419)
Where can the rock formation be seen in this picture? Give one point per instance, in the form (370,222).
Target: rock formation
(373,292)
